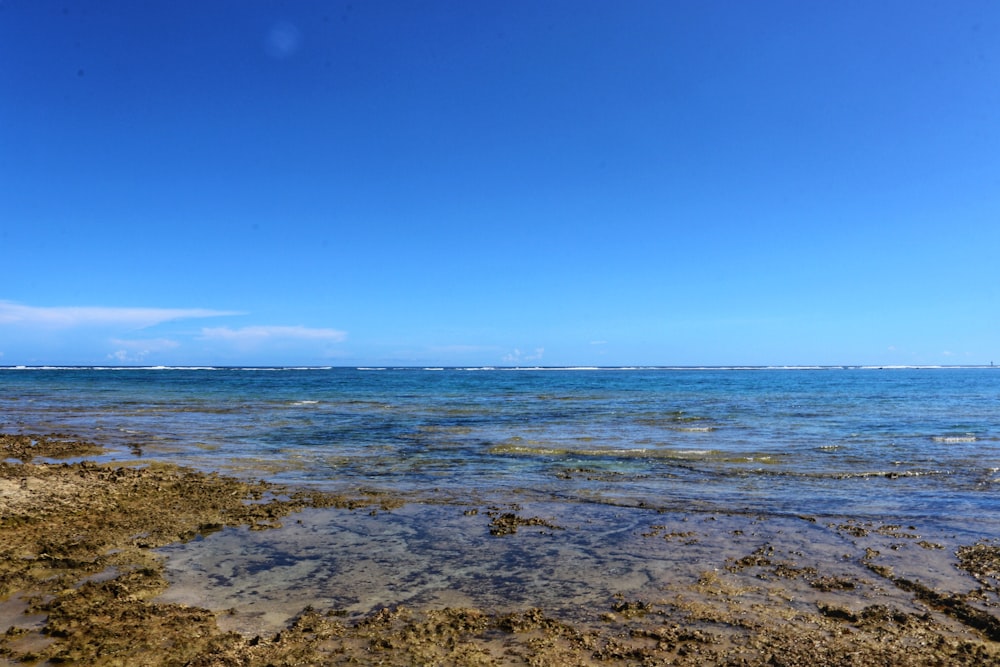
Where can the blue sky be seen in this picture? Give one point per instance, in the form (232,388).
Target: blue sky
(499,183)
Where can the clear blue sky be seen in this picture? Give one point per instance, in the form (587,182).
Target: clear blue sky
(499,183)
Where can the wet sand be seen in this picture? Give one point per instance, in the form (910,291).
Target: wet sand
(149,563)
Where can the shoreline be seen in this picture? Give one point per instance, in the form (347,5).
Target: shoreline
(85,578)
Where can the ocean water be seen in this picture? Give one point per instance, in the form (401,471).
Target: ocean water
(645,478)
(915,442)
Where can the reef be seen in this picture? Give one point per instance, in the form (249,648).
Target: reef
(79,580)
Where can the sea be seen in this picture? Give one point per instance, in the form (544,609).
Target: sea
(609,450)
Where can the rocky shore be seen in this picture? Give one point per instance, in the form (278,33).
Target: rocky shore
(79,581)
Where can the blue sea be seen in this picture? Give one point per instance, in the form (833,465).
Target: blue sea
(903,442)
(645,478)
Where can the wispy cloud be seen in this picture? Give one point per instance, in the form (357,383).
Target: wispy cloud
(136,351)
(264,333)
(517,357)
(92,334)
(66,317)
(460,349)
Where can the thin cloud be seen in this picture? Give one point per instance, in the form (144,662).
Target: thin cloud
(264,333)
(134,351)
(517,357)
(460,349)
(149,344)
(67,317)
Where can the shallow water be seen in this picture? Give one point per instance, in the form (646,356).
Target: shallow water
(644,479)
(904,442)
(584,561)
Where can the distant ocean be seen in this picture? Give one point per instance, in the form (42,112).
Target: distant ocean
(906,443)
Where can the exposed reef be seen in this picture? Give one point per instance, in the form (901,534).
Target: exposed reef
(79,579)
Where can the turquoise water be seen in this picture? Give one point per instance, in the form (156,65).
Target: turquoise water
(905,443)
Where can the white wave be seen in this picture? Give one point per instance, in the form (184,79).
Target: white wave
(553,368)
(901,367)
(296,368)
(954,439)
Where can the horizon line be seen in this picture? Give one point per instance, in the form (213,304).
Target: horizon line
(429,367)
